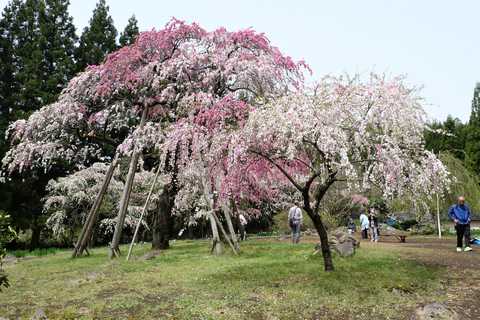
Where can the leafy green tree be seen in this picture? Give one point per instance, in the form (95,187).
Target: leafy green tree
(31,44)
(130,32)
(7,234)
(8,85)
(98,39)
(449,135)
(473,137)
(37,40)
(59,31)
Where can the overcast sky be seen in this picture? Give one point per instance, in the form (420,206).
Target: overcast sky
(435,43)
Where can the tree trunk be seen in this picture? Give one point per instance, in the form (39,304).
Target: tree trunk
(117,235)
(161,229)
(322,233)
(35,240)
(162,220)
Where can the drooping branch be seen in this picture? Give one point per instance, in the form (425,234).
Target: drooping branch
(282,170)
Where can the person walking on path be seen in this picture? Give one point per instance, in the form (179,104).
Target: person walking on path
(373,221)
(364,225)
(242,226)
(460,215)
(295,218)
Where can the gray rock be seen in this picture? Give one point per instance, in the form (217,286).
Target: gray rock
(151,254)
(434,311)
(39,315)
(343,243)
(345,249)
(10,260)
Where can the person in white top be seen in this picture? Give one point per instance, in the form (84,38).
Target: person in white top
(295,219)
(242,226)
(364,225)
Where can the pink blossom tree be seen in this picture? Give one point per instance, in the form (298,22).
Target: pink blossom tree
(201,144)
(138,92)
(366,134)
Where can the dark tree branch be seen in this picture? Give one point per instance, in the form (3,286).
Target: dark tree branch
(282,170)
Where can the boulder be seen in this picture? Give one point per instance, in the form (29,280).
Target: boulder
(343,243)
(434,311)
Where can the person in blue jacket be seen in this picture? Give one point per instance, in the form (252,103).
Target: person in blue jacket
(460,215)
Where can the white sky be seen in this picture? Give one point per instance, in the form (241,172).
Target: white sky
(435,43)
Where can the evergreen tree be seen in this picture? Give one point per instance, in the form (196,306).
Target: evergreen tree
(8,85)
(449,135)
(37,42)
(98,39)
(31,45)
(130,32)
(61,39)
(473,138)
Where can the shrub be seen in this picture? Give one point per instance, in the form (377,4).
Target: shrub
(7,234)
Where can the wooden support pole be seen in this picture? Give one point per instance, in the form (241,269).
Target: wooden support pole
(87,229)
(224,232)
(228,218)
(217,247)
(143,212)
(117,235)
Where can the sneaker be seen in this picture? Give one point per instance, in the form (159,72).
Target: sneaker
(467,249)
(459,249)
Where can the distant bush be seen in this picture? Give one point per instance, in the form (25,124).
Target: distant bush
(280,222)
(405,225)
(424,230)
(7,234)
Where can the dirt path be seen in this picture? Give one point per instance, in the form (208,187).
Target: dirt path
(462,283)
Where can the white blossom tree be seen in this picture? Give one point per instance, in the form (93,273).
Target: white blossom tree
(366,134)
(70,198)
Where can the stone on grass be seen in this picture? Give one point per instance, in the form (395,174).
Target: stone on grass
(434,311)
(343,243)
(39,315)
(151,254)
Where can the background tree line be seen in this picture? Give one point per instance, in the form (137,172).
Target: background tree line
(458,145)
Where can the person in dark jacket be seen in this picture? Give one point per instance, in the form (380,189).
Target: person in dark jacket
(460,215)
(373,222)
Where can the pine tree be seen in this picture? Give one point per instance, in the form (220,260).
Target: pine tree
(8,85)
(31,45)
(473,138)
(130,32)
(98,39)
(37,42)
(59,55)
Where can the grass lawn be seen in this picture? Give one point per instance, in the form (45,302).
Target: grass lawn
(269,280)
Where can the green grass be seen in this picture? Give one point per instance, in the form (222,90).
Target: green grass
(475,233)
(269,280)
(34,253)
